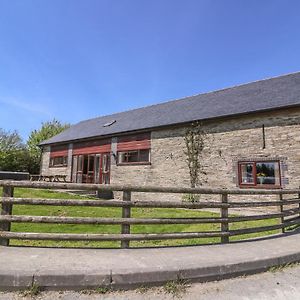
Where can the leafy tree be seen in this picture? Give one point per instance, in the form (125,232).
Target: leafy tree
(47,130)
(13,153)
(10,140)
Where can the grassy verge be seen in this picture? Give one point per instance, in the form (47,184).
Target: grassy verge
(40,210)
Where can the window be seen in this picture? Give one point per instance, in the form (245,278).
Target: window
(58,161)
(58,156)
(259,174)
(134,149)
(134,156)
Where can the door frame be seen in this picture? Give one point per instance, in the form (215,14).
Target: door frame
(80,173)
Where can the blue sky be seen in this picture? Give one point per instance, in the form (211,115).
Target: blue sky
(75,60)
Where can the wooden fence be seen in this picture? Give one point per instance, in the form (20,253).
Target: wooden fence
(286,215)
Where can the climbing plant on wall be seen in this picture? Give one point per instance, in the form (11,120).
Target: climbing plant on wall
(194,139)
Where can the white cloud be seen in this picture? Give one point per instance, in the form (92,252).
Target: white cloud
(33,107)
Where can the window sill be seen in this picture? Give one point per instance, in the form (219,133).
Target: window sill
(134,164)
(59,166)
(268,187)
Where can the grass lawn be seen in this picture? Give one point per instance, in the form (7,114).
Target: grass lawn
(40,210)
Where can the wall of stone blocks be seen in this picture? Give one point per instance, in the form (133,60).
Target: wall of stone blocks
(227,142)
(45,170)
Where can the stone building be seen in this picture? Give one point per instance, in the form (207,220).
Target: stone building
(252,140)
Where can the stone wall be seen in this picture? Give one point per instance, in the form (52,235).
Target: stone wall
(46,170)
(167,168)
(227,142)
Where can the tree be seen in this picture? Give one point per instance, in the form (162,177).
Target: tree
(13,153)
(47,130)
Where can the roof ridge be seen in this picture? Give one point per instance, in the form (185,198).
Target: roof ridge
(199,94)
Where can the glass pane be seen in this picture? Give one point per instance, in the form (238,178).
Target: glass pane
(267,173)
(132,156)
(74,168)
(97,169)
(85,164)
(105,168)
(144,155)
(122,157)
(79,169)
(79,178)
(104,163)
(91,163)
(247,173)
(80,158)
(58,161)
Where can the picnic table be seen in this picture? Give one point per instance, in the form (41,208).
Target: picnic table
(49,178)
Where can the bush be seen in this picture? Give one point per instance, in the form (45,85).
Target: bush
(14,156)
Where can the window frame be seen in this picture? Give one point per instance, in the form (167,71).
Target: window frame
(254,173)
(126,163)
(63,165)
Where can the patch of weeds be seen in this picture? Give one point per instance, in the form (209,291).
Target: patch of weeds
(102,290)
(192,198)
(280,268)
(32,291)
(98,290)
(86,292)
(176,287)
(143,289)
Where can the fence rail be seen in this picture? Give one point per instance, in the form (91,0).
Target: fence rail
(286,215)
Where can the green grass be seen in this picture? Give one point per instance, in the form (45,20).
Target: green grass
(40,210)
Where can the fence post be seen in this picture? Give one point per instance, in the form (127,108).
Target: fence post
(282,210)
(126,213)
(6,209)
(224,214)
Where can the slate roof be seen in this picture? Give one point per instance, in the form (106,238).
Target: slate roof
(263,95)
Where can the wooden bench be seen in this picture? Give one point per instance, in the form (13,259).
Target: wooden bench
(49,178)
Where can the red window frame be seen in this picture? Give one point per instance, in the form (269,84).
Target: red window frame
(58,152)
(135,143)
(52,162)
(138,162)
(254,175)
